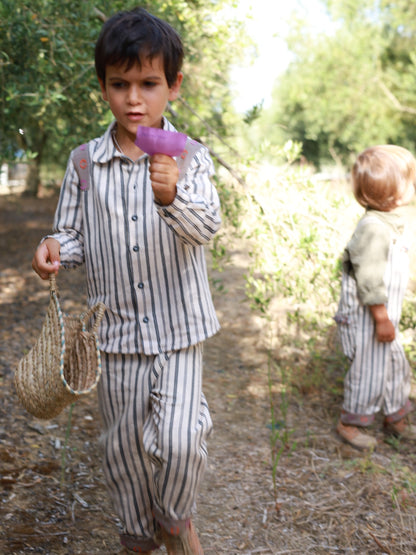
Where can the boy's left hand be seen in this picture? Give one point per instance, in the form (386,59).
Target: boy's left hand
(385,331)
(164,174)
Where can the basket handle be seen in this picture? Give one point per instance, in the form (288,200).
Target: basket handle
(98,309)
(52,284)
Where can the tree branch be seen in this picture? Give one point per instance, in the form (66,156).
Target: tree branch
(394,100)
(223,163)
(206,124)
(100,14)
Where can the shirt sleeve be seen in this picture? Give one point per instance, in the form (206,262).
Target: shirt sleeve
(368,253)
(68,221)
(194,215)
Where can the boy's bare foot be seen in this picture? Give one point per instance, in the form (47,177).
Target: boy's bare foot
(182,544)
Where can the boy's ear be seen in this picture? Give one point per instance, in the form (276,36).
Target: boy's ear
(175,88)
(103,91)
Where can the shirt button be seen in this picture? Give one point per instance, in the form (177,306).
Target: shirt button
(141,285)
(146,320)
(134,218)
(136,248)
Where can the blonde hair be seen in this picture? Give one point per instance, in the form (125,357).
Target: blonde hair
(382,176)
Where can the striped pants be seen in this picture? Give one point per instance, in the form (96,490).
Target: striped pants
(156,421)
(379,376)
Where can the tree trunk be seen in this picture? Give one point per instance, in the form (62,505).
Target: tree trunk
(33,176)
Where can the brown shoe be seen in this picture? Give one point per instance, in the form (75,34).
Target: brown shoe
(186,543)
(355,437)
(402,428)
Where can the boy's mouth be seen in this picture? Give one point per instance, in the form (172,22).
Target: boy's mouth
(135,116)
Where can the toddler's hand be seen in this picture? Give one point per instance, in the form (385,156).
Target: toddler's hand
(47,258)
(384,328)
(164,174)
(385,331)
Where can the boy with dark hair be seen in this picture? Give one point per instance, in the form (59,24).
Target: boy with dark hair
(141,231)
(130,36)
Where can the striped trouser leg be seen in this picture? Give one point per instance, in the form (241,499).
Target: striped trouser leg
(379,376)
(175,433)
(124,393)
(155,425)
(397,391)
(365,382)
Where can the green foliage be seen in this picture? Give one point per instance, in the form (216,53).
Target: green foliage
(295,243)
(253,114)
(290,226)
(48,87)
(408,328)
(46,68)
(280,434)
(408,318)
(350,85)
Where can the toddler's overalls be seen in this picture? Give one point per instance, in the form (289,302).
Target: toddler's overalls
(379,376)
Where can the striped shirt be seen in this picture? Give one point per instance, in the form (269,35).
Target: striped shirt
(144,261)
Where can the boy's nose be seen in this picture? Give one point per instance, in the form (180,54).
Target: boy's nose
(134,96)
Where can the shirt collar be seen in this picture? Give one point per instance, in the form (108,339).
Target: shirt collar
(106,150)
(394,218)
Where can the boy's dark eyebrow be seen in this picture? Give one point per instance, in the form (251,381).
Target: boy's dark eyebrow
(152,78)
(144,78)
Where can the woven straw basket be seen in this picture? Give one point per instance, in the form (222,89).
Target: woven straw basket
(63,364)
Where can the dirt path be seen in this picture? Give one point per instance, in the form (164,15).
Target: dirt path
(330,499)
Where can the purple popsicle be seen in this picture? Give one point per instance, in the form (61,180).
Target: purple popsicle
(160,141)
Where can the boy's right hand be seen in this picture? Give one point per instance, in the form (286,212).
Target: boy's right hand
(47,258)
